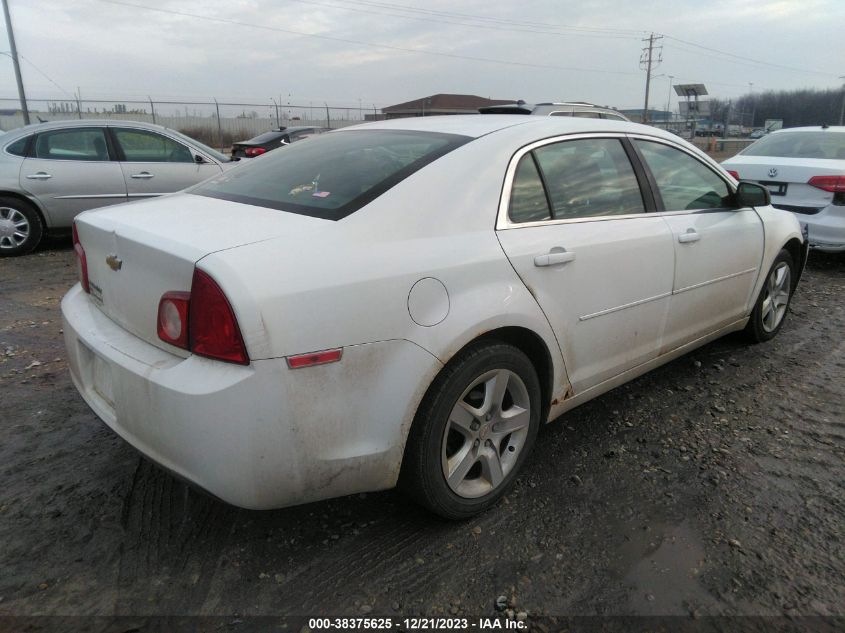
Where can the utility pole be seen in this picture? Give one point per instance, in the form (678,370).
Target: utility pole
(650,58)
(842,107)
(15,62)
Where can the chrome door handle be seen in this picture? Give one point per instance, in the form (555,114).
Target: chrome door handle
(39,176)
(690,236)
(554,257)
(144,175)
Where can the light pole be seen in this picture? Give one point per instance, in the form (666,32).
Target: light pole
(15,62)
(753,103)
(669,97)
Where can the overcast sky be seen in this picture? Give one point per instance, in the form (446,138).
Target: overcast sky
(343,51)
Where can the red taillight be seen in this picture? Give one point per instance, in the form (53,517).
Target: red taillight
(314,358)
(173,318)
(834,184)
(212,327)
(733,173)
(81,262)
(254,151)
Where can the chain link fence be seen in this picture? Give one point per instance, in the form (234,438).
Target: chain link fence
(214,123)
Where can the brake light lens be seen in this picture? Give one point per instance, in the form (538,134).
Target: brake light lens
(314,358)
(833,184)
(202,321)
(733,173)
(212,327)
(81,262)
(173,318)
(254,151)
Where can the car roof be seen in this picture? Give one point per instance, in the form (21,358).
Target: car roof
(476,125)
(68,123)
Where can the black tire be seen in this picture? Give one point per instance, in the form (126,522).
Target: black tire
(423,476)
(11,208)
(759,328)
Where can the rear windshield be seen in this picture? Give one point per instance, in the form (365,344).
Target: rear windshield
(331,175)
(266,137)
(800,145)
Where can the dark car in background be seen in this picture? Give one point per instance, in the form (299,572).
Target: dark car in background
(268,141)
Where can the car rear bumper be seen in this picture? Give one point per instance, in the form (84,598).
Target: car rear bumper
(826,228)
(260,436)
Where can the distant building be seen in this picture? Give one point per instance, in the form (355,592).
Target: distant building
(440,104)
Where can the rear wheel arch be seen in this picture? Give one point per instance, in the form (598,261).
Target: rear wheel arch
(795,249)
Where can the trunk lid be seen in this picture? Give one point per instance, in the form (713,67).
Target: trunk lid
(786,179)
(136,252)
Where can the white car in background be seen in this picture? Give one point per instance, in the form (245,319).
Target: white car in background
(408,301)
(804,169)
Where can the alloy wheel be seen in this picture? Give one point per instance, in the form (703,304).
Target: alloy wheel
(776,299)
(14,228)
(486,431)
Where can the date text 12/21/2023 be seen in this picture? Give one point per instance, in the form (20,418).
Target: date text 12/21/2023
(416,624)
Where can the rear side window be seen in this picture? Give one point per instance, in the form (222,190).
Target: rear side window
(589,177)
(19,147)
(684,183)
(528,197)
(86,144)
(332,175)
(140,146)
(586,114)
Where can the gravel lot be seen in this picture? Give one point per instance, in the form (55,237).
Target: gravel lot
(713,485)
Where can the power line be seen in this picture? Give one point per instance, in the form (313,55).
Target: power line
(506,21)
(403,49)
(747,60)
(446,19)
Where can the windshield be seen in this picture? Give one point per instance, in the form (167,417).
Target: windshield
(221,158)
(331,175)
(829,145)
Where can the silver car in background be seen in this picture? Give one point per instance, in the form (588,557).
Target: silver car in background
(50,172)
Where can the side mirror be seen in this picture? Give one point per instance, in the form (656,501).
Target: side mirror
(199,160)
(750,194)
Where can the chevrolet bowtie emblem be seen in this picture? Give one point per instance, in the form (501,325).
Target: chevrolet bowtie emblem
(114,262)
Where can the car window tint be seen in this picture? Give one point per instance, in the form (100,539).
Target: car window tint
(589,177)
(332,175)
(684,182)
(830,145)
(267,137)
(141,146)
(528,198)
(87,144)
(18,148)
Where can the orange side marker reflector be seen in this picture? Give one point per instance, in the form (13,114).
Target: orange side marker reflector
(314,358)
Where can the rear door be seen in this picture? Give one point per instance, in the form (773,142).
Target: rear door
(718,247)
(573,223)
(154,164)
(70,170)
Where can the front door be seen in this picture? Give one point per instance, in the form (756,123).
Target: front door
(601,269)
(69,171)
(718,248)
(154,164)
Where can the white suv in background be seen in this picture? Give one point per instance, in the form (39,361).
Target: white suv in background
(567,108)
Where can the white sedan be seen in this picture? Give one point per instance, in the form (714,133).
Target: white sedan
(804,169)
(406,302)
